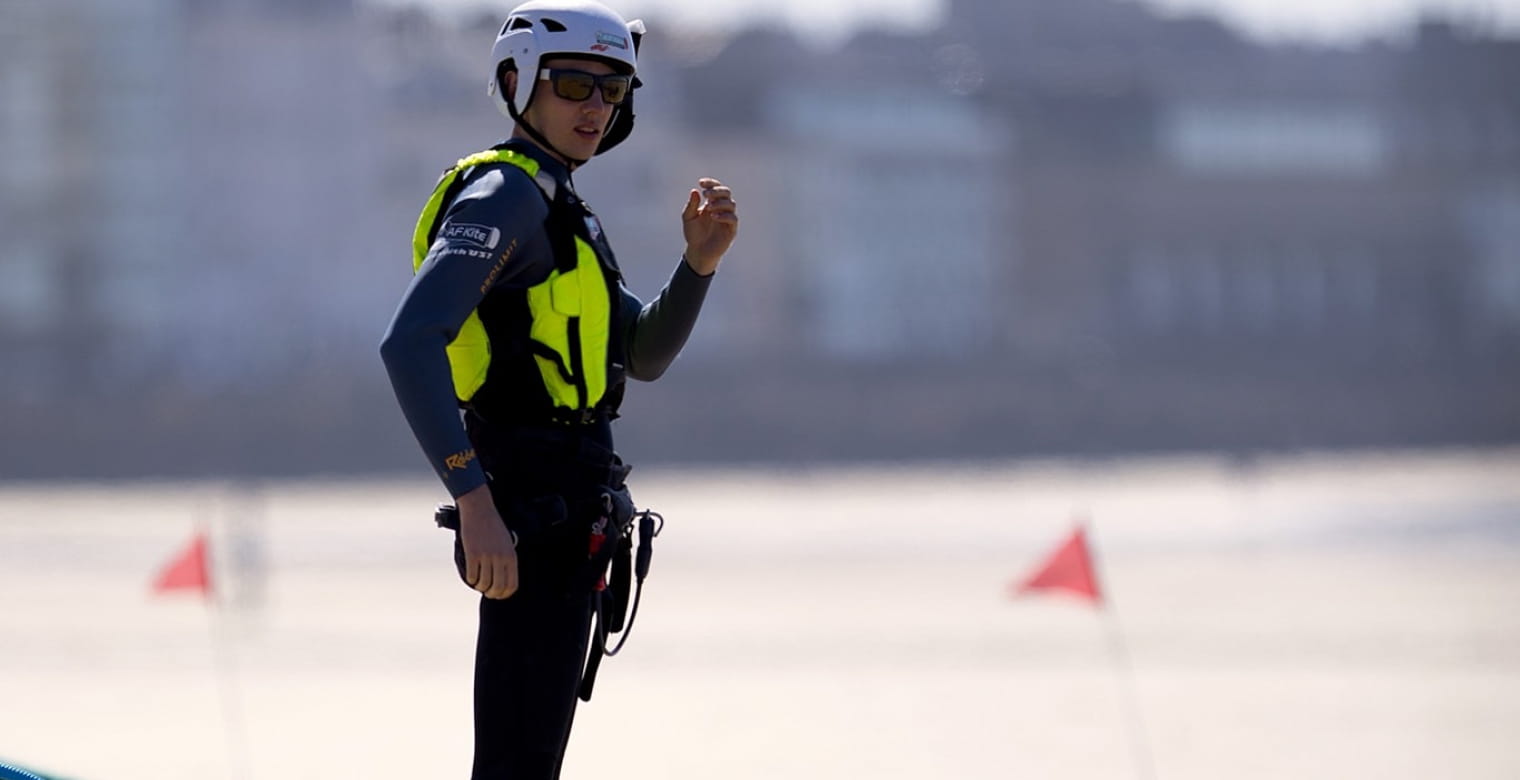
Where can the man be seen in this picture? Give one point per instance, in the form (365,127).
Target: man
(518,316)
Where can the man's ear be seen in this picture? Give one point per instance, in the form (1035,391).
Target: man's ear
(506,80)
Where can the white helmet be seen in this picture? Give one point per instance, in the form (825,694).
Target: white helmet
(540,29)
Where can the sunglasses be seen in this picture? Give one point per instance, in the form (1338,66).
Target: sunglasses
(577,85)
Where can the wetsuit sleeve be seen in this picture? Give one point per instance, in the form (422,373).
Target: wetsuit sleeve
(481,234)
(657,331)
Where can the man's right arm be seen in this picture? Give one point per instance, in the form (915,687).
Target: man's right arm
(492,217)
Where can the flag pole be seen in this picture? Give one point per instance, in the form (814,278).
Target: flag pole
(1124,669)
(1073,569)
(223,661)
(1145,765)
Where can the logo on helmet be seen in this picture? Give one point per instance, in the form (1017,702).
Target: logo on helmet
(610,40)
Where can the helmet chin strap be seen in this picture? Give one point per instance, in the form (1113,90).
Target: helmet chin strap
(571,162)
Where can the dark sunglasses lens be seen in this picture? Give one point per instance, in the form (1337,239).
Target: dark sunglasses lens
(614,89)
(571,85)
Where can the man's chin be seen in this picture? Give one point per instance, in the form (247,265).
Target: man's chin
(581,148)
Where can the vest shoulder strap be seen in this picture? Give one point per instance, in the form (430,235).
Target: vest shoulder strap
(450,183)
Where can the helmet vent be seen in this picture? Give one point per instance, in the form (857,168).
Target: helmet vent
(552,26)
(516,23)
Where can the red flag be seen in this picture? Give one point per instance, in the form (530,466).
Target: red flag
(188,570)
(1070,569)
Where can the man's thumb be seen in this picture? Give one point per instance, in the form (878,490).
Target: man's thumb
(691,205)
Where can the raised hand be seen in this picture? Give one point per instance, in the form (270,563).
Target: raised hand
(709,222)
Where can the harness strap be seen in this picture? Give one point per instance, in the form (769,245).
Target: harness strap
(650,526)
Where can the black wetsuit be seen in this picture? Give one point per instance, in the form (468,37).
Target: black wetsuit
(546,480)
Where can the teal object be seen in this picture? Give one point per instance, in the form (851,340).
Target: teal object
(13,772)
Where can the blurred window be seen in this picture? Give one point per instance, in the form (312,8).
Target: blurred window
(1152,289)
(1205,286)
(1256,290)
(1267,139)
(24,118)
(1306,290)
(1493,229)
(28,300)
(1356,276)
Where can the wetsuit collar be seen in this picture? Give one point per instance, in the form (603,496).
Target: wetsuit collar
(546,162)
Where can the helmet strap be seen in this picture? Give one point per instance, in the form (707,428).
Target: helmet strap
(571,162)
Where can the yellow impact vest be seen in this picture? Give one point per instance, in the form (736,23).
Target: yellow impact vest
(571,310)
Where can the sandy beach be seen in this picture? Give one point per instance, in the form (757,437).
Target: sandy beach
(1317,616)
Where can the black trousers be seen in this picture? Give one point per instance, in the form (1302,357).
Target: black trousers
(531,647)
(529,655)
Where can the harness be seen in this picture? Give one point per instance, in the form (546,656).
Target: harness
(611,542)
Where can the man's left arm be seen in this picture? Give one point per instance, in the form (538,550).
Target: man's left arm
(655,333)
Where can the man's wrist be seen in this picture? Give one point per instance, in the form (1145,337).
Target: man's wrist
(697,268)
(477,499)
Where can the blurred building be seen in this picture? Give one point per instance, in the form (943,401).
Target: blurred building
(1138,188)
(1044,226)
(91,111)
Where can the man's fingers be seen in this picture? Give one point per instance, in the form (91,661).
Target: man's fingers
(479,574)
(498,582)
(510,580)
(504,579)
(720,204)
(715,198)
(725,213)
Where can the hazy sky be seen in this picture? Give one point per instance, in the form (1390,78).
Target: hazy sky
(825,20)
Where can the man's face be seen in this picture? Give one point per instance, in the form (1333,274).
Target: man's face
(574,127)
